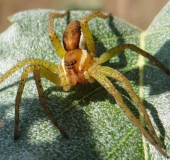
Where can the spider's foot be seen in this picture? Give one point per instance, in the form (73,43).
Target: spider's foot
(167,157)
(16,137)
(64,134)
(164,147)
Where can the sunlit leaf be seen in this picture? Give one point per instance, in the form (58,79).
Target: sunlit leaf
(97,127)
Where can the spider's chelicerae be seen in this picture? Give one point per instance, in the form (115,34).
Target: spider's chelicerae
(78,65)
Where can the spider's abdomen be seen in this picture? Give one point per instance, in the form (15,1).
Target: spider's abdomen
(71,36)
(75,63)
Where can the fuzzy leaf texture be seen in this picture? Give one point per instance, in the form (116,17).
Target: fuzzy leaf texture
(97,127)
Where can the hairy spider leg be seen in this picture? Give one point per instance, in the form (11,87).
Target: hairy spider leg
(47,71)
(53,36)
(86,31)
(35,61)
(109,72)
(112,52)
(115,50)
(101,78)
(37,72)
(18,98)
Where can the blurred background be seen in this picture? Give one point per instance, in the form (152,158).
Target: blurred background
(137,12)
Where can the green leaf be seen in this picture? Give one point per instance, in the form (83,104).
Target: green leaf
(97,127)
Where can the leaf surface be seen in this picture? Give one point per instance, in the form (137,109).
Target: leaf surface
(97,127)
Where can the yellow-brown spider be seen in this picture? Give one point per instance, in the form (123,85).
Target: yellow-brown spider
(78,65)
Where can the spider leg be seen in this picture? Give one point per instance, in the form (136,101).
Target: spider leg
(120,77)
(37,72)
(18,98)
(100,77)
(86,31)
(52,35)
(115,50)
(51,76)
(49,65)
(48,71)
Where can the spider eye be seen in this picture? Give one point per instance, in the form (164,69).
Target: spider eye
(71,64)
(66,63)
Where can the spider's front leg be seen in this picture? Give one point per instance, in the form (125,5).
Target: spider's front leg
(46,70)
(120,77)
(18,98)
(37,72)
(100,75)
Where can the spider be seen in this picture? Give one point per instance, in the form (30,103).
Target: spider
(78,65)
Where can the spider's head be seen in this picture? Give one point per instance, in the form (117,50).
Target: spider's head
(74,63)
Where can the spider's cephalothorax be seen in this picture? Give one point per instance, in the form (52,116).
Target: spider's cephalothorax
(74,63)
(79,64)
